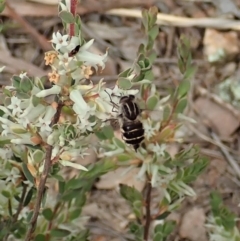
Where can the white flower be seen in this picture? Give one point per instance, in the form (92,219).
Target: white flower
(158,149)
(23,75)
(23,121)
(59,40)
(81,108)
(44,125)
(13,175)
(149,129)
(15,105)
(52,91)
(24,213)
(64,59)
(85,124)
(90,58)
(6,130)
(6,153)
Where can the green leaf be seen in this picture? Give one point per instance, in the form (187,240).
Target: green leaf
(119,143)
(152,102)
(137,208)
(2,5)
(40,237)
(16,80)
(27,173)
(124,83)
(153,11)
(223,216)
(38,156)
(130,193)
(75,214)
(61,187)
(125,73)
(166,112)
(26,85)
(6,193)
(35,100)
(47,214)
(108,132)
(190,72)
(66,17)
(181,105)
(28,197)
(59,233)
(162,231)
(124,157)
(154,32)
(145,19)
(183,88)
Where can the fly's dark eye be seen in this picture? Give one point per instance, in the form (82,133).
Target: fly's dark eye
(74,51)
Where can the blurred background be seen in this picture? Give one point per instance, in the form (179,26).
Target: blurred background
(214,102)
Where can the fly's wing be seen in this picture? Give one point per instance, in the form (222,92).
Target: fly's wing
(115,124)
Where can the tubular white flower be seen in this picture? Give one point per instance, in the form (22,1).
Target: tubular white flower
(31,112)
(52,91)
(81,108)
(24,141)
(89,58)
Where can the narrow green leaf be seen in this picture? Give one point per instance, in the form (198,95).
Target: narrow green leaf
(61,187)
(153,33)
(189,73)
(66,17)
(59,233)
(130,193)
(28,197)
(181,105)
(183,88)
(124,157)
(27,173)
(119,143)
(47,214)
(75,214)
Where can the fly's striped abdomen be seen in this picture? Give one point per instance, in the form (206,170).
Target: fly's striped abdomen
(133,133)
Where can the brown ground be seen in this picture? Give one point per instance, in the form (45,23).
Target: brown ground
(22,48)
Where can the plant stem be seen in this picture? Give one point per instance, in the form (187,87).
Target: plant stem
(43,179)
(20,206)
(148,209)
(73,8)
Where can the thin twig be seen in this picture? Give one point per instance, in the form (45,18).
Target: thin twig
(204,92)
(148,210)
(43,179)
(230,159)
(172,20)
(45,45)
